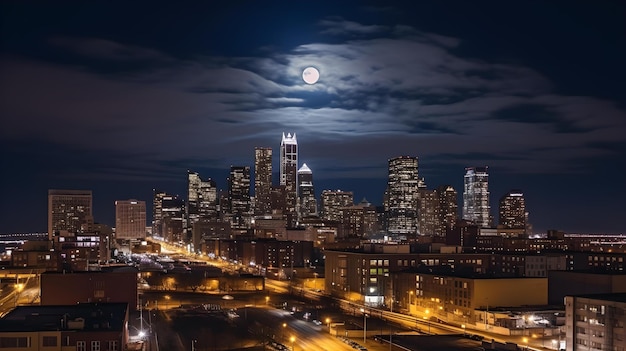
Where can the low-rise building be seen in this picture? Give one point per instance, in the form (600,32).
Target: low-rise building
(595,322)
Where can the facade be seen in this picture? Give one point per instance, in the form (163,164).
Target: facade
(476,206)
(173,218)
(262,180)
(307,202)
(428,212)
(289,176)
(512,211)
(570,283)
(448,210)
(201,199)
(595,322)
(239,197)
(59,288)
(402,198)
(69,211)
(130,219)
(157,211)
(332,202)
(88,326)
(360,220)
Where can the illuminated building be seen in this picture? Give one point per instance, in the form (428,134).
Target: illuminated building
(359,220)
(172,221)
(157,211)
(201,199)
(512,210)
(262,180)
(289,176)
(130,219)
(69,212)
(401,200)
(448,210)
(307,201)
(595,322)
(332,202)
(476,206)
(239,197)
(428,212)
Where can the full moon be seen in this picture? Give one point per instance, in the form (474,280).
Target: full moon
(310,75)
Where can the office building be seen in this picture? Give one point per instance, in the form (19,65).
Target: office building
(157,211)
(476,208)
(262,180)
(332,202)
(239,197)
(512,210)
(69,212)
(360,220)
(428,212)
(307,202)
(289,176)
(401,198)
(130,219)
(448,210)
(201,199)
(173,218)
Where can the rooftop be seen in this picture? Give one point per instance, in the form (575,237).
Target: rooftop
(85,316)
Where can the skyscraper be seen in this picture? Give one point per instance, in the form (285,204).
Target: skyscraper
(476,206)
(401,198)
(332,203)
(428,212)
(448,209)
(239,197)
(512,210)
(201,199)
(69,212)
(262,180)
(157,211)
(307,201)
(289,175)
(130,219)
(172,220)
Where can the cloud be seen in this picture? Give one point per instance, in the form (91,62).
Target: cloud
(103,49)
(382,92)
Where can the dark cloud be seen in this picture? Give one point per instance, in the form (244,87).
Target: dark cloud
(386,88)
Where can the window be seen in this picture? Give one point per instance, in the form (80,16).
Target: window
(81,346)
(95,345)
(49,341)
(11,342)
(112,345)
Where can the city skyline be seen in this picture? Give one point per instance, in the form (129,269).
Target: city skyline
(120,99)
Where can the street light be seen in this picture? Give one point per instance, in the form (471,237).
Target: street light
(267,300)
(328,322)
(525,340)
(463,326)
(364,325)
(293,340)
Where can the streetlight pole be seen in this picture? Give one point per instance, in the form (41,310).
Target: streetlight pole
(364,325)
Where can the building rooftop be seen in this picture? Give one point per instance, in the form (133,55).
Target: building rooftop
(615,297)
(87,317)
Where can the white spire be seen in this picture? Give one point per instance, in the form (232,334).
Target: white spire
(305,169)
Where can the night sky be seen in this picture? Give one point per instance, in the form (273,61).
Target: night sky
(121,97)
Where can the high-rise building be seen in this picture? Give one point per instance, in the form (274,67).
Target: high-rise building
(307,202)
(69,212)
(172,220)
(130,219)
(201,199)
(401,197)
(448,209)
(476,208)
(428,212)
(359,220)
(262,180)
(512,210)
(333,202)
(239,197)
(157,211)
(289,175)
